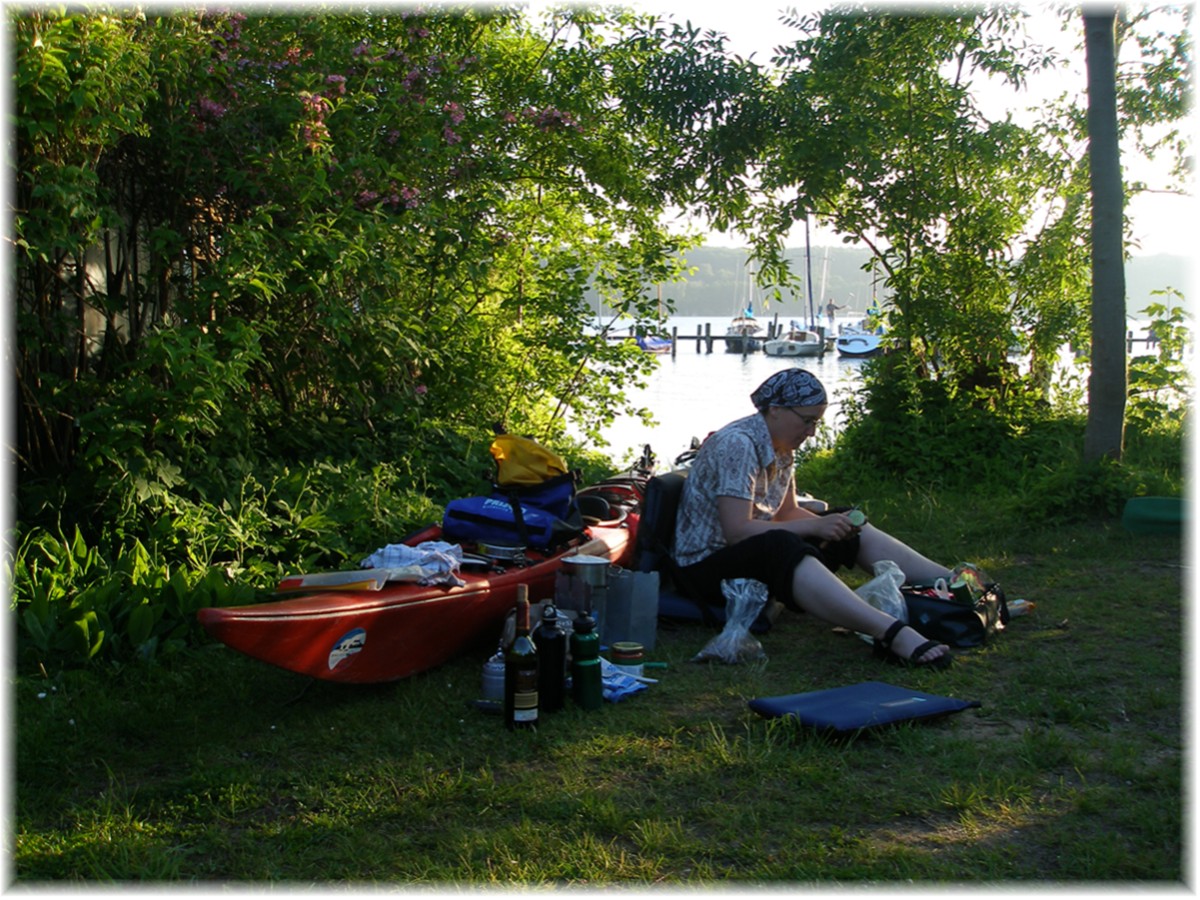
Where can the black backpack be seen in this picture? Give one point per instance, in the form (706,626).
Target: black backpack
(656,529)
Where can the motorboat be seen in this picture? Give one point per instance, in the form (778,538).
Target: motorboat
(654,344)
(859,345)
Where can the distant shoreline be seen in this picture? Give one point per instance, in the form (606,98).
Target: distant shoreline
(719,284)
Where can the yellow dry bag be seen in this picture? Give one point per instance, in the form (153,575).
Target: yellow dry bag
(520,461)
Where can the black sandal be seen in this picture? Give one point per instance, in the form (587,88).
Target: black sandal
(883,650)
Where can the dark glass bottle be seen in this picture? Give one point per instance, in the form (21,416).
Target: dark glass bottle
(586,688)
(551,644)
(521,671)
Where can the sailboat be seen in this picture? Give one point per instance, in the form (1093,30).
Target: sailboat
(656,343)
(740,335)
(798,340)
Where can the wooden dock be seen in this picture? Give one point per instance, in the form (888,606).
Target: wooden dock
(1149,340)
(705,340)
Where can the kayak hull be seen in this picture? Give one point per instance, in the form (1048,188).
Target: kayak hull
(369,636)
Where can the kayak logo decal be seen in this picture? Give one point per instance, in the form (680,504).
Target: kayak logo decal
(346,647)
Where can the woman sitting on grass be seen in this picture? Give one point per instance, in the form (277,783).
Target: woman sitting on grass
(739,517)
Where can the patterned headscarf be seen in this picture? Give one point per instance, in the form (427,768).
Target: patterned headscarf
(789,387)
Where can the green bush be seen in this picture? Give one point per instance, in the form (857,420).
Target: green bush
(222,532)
(74,603)
(1007,445)
(923,430)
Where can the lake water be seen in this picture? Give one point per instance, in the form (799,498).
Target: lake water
(695,393)
(698,392)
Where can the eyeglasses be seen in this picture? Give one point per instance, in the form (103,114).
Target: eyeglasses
(809,421)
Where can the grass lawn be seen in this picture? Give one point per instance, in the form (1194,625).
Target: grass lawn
(211,768)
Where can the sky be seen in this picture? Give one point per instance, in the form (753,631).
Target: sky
(1161,223)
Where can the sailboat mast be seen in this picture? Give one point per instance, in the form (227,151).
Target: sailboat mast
(824,275)
(812,318)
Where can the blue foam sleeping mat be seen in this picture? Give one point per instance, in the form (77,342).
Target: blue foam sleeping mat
(868,704)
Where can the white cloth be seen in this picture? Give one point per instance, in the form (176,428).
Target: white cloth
(616,685)
(438,560)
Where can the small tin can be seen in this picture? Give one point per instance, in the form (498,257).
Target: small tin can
(628,656)
(492,680)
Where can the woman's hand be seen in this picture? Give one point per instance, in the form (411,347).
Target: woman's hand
(737,522)
(829,527)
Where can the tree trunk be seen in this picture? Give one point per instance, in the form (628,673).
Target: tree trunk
(1104,436)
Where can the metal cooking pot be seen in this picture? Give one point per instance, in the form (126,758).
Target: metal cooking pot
(582,585)
(589,569)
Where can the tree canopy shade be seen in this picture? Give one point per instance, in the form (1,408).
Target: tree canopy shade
(908,165)
(237,232)
(980,227)
(264,226)
(278,275)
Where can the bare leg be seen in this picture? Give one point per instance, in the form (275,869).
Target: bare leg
(875,545)
(821,593)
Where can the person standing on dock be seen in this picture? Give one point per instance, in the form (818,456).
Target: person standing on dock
(739,517)
(831,309)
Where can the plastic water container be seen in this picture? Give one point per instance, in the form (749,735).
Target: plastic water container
(632,613)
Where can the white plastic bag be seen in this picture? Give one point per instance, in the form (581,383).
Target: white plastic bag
(883,592)
(744,600)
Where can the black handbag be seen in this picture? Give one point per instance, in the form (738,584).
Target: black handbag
(956,622)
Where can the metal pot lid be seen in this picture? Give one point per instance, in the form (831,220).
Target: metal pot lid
(582,559)
(500,551)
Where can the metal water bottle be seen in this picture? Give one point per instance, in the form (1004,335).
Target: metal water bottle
(551,643)
(586,689)
(521,671)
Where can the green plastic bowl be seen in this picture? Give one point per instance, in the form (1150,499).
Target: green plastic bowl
(1154,515)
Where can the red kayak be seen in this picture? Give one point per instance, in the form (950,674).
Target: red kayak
(362,633)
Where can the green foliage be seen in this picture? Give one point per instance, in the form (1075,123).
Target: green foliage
(943,197)
(127,584)
(1160,383)
(370,223)
(980,227)
(222,537)
(81,84)
(1156,86)
(74,604)
(279,275)
(924,429)
(1026,454)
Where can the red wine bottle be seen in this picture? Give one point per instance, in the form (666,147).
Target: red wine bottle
(521,671)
